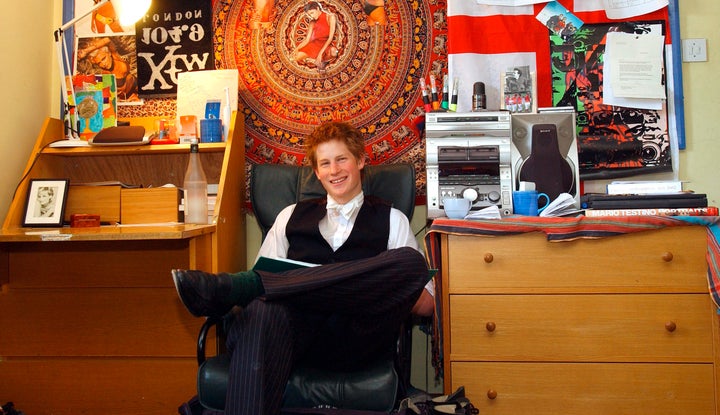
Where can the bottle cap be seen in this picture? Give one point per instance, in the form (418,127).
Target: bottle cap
(479,88)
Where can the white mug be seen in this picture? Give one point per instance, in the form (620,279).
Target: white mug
(456,207)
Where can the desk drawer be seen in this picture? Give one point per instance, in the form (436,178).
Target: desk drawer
(588,389)
(668,260)
(587,328)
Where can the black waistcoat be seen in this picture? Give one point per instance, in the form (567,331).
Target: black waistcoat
(368,238)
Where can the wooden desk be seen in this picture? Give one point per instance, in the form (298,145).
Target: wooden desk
(616,325)
(89,318)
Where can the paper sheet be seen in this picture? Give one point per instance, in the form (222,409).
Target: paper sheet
(636,65)
(624,9)
(198,87)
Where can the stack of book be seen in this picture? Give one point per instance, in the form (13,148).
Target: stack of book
(647,198)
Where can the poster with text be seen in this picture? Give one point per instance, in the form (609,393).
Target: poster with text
(175,36)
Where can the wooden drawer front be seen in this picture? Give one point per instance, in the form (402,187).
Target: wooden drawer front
(96,386)
(96,322)
(588,389)
(96,263)
(529,263)
(589,328)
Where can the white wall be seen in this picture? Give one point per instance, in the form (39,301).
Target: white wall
(25,94)
(700,162)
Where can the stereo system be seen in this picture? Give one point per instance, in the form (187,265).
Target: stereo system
(483,156)
(468,155)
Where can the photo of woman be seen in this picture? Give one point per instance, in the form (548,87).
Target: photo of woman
(317,48)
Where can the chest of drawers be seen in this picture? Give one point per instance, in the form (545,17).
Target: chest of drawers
(615,325)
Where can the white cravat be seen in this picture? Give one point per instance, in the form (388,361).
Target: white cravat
(338,223)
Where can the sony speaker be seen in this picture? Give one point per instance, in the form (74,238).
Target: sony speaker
(544,148)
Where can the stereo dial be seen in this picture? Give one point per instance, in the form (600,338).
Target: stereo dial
(493,196)
(470,194)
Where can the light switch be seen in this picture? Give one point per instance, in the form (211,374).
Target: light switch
(694,50)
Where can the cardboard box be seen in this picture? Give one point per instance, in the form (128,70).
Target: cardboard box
(94,200)
(150,205)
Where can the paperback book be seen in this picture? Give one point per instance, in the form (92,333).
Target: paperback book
(279,264)
(696,211)
(647,187)
(675,200)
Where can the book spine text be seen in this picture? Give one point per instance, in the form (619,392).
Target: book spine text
(698,211)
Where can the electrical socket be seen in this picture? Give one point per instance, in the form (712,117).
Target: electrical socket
(694,50)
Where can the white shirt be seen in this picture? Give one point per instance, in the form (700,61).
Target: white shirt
(335,228)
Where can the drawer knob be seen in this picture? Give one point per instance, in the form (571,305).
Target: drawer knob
(491,394)
(667,256)
(490,326)
(488,257)
(670,326)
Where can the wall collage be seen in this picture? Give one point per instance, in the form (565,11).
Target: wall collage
(369,71)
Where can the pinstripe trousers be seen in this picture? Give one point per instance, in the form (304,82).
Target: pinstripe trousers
(337,315)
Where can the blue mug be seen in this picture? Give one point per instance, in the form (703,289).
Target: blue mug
(526,202)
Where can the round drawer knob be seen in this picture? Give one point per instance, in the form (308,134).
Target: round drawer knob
(667,256)
(491,394)
(670,326)
(488,257)
(490,326)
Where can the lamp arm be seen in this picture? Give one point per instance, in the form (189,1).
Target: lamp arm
(76,19)
(64,62)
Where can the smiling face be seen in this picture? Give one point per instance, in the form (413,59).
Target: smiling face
(338,170)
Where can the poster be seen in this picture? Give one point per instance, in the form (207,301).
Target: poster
(174,37)
(112,54)
(613,141)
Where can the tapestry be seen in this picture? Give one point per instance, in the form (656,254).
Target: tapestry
(175,36)
(302,63)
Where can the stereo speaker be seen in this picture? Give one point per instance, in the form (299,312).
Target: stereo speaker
(544,148)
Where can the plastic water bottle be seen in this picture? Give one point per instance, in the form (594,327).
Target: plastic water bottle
(195,186)
(226,114)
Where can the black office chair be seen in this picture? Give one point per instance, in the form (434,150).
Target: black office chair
(380,385)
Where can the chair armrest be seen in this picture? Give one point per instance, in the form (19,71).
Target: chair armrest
(202,336)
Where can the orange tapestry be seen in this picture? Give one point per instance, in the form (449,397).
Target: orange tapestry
(305,62)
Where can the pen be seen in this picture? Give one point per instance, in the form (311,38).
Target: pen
(434,93)
(425,95)
(454,97)
(445,92)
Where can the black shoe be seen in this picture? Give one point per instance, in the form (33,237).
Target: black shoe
(203,294)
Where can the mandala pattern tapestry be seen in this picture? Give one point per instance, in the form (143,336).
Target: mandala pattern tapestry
(291,81)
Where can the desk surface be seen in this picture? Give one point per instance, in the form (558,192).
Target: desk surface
(107,233)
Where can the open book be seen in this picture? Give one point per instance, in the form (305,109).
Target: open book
(279,264)
(563,205)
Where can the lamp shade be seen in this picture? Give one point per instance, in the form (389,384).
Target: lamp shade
(130,11)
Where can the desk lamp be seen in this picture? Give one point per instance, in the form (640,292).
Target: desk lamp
(128,11)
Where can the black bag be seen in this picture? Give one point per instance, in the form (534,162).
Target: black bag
(9,409)
(454,404)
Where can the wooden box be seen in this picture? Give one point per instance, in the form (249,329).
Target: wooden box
(98,200)
(150,205)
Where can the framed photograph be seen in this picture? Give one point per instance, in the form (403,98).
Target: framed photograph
(45,203)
